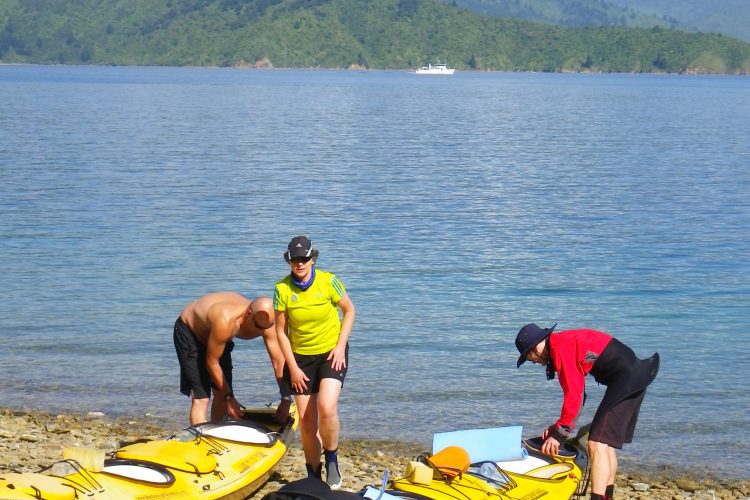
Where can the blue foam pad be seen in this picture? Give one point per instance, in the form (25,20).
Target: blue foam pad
(497,444)
(376,494)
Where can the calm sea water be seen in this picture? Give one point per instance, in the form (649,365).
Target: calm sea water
(455,210)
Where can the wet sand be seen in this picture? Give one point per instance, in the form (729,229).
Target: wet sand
(31,441)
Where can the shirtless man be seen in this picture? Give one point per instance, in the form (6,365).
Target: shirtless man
(203,339)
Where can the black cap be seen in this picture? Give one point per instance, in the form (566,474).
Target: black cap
(528,337)
(300,246)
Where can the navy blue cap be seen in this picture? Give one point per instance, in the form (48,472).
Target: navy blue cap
(528,337)
(300,246)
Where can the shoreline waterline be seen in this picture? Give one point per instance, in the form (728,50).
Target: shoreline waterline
(31,441)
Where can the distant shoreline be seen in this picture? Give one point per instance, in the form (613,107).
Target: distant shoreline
(367,70)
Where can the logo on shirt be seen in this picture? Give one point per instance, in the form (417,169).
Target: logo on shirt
(294,297)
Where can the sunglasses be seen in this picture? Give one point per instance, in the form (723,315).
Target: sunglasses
(303,260)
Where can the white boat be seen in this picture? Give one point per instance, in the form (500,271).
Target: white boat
(436,69)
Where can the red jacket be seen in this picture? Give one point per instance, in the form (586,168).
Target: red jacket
(572,355)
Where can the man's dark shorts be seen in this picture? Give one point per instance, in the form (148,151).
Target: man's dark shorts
(626,378)
(191,353)
(616,425)
(316,367)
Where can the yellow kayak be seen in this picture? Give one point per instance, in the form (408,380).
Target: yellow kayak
(217,460)
(451,476)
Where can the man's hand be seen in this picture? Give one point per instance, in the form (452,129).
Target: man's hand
(234,410)
(282,411)
(550,446)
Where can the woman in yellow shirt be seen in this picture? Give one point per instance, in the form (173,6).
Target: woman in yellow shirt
(315,345)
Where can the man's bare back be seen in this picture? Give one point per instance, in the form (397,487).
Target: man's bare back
(222,314)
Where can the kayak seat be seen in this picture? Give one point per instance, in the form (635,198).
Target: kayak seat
(147,472)
(186,457)
(239,431)
(451,461)
(535,445)
(550,471)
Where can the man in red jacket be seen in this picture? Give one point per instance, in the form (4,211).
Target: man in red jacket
(572,354)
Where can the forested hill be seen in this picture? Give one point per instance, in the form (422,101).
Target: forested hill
(571,13)
(375,34)
(728,17)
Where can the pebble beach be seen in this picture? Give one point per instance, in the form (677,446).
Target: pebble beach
(33,441)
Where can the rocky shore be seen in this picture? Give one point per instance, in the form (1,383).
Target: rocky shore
(29,442)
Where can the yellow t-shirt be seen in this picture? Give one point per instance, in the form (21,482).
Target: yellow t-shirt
(312,315)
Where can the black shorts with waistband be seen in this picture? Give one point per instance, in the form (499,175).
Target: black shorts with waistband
(191,353)
(316,367)
(626,378)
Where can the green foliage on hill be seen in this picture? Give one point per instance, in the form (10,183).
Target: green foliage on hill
(395,34)
(570,13)
(728,17)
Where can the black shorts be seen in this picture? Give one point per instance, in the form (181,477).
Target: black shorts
(616,425)
(191,353)
(316,367)
(626,378)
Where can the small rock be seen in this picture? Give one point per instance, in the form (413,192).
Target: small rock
(641,486)
(32,438)
(95,414)
(704,495)
(688,485)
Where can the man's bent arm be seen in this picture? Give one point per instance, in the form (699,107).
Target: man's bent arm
(274,352)
(217,342)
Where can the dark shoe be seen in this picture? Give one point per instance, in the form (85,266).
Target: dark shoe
(609,494)
(316,473)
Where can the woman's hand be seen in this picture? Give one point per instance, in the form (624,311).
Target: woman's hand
(337,357)
(298,380)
